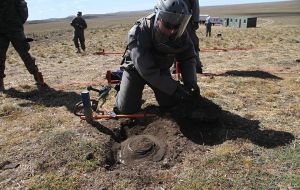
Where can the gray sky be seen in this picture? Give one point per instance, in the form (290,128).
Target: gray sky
(43,9)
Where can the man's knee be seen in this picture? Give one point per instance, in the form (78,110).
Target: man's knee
(129,98)
(125,106)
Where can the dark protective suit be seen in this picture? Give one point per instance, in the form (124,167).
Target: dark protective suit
(79,25)
(193,6)
(13,14)
(150,64)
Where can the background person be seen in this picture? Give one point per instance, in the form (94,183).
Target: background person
(208,26)
(155,42)
(79,25)
(13,14)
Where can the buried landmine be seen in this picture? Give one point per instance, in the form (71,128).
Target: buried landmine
(162,141)
(141,147)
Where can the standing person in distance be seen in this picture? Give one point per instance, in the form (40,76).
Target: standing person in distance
(79,25)
(208,26)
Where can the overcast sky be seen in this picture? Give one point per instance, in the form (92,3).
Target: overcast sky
(43,9)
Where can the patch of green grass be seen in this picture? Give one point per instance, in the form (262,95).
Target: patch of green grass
(121,185)
(67,150)
(84,165)
(39,107)
(47,122)
(7,109)
(291,181)
(231,167)
(194,185)
(210,94)
(53,181)
(290,153)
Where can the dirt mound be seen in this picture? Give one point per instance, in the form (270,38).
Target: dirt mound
(159,144)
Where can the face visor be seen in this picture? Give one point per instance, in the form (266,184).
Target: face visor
(169,26)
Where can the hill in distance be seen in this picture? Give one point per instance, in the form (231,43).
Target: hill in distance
(287,8)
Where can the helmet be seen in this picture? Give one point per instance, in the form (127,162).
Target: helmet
(172,16)
(79,13)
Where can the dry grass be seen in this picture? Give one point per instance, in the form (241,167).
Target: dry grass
(40,132)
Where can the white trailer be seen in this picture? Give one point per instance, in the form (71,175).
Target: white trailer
(216,20)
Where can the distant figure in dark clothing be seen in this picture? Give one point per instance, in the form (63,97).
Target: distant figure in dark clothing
(79,25)
(13,14)
(208,26)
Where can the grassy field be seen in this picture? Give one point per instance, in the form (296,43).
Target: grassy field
(256,145)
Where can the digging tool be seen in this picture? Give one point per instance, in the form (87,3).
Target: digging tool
(89,105)
(103,92)
(83,105)
(102,52)
(106,53)
(109,116)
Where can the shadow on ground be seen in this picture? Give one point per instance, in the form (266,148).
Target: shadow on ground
(230,126)
(49,98)
(254,74)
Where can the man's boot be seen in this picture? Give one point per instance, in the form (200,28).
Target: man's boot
(1,85)
(38,77)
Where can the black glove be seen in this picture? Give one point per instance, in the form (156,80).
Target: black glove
(193,89)
(181,94)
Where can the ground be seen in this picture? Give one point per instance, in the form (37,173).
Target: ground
(253,87)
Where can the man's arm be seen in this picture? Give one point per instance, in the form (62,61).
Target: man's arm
(187,60)
(84,25)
